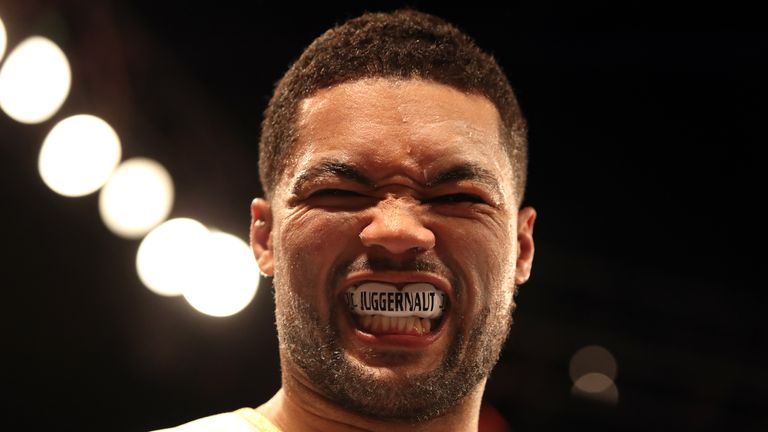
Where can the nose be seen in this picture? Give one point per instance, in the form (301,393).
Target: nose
(396,227)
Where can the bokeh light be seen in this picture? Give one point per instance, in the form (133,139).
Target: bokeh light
(78,155)
(596,386)
(170,257)
(3,38)
(592,358)
(34,80)
(230,280)
(593,371)
(593,382)
(137,197)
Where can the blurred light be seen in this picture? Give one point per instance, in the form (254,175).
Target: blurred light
(78,155)
(596,386)
(170,257)
(34,81)
(137,197)
(593,382)
(231,277)
(3,38)
(592,358)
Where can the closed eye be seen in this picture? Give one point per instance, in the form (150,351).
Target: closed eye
(456,198)
(334,193)
(340,199)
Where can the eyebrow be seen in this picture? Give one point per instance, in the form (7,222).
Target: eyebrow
(331,167)
(462,171)
(468,171)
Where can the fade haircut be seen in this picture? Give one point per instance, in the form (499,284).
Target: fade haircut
(404,44)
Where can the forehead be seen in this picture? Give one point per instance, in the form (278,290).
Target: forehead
(406,127)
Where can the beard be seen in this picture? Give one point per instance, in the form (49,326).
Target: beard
(315,348)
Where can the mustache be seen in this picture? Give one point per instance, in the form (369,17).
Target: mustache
(383,264)
(424,264)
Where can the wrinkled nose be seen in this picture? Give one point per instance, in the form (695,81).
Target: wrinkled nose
(397,228)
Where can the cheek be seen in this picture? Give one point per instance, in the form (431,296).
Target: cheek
(309,243)
(486,250)
(313,231)
(484,259)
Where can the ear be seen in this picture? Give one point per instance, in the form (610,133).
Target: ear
(525,219)
(261,239)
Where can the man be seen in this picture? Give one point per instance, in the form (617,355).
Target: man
(393,157)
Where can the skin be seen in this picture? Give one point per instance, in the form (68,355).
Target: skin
(324,224)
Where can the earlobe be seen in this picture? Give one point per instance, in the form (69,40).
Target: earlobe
(525,247)
(261,239)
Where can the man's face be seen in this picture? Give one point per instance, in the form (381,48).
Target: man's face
(394,183)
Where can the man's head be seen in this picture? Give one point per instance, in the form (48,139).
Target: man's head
(402,45)
(389,171)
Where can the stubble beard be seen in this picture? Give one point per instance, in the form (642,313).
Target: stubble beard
(315,348)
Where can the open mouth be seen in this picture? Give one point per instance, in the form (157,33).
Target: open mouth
(414,309)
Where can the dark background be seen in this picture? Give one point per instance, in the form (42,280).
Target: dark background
(646,169)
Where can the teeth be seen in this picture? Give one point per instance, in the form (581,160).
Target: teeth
(402,325)
(411,321)
(366,320)
(417,327)
(426,325)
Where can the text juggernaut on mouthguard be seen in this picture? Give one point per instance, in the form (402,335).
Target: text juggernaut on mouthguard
(418,299)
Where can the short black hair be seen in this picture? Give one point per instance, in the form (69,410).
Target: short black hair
(404,44)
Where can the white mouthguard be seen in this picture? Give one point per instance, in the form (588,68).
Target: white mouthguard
(418,299)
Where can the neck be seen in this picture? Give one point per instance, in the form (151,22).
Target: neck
(299,406)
